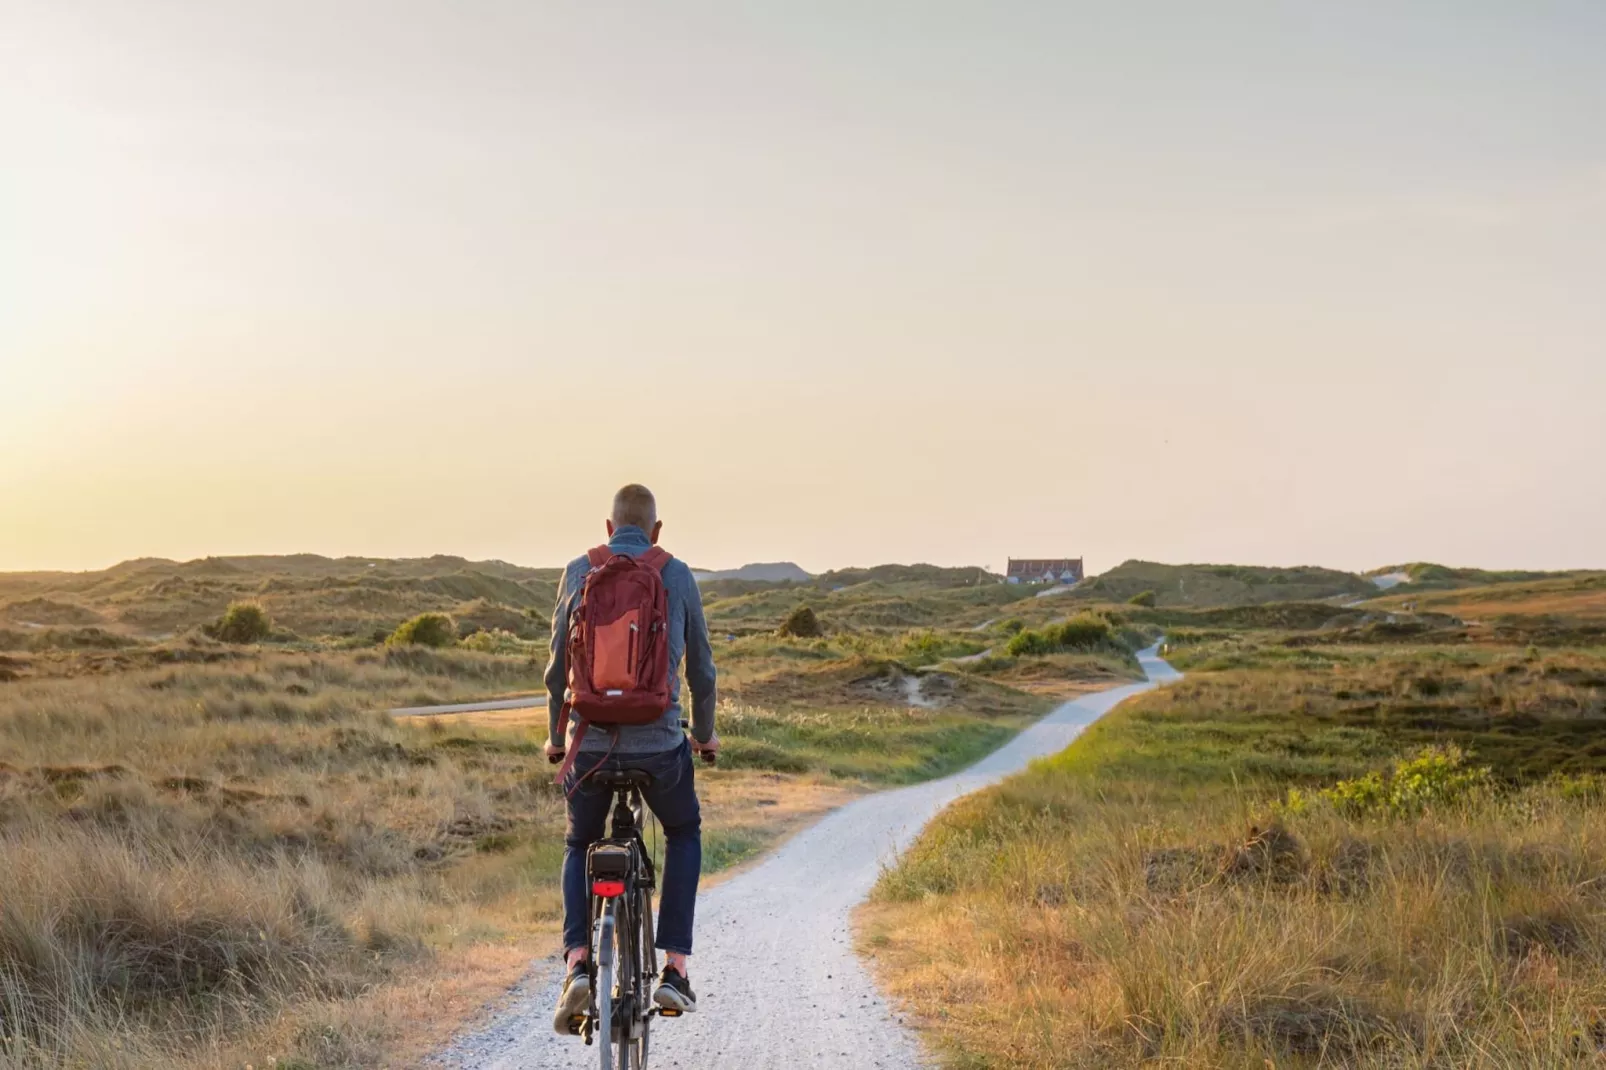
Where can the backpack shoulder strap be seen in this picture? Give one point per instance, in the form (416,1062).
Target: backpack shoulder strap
(657,557)
(599,555)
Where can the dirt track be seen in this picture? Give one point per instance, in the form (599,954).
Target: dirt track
(776,978)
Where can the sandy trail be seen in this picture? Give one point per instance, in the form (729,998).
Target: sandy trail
(777,981)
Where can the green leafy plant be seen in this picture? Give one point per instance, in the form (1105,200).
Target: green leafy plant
(497,641)
(426,629)
(1143,598)
(1433,777)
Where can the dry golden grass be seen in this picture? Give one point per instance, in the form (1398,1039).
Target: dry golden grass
(1581,597)
(228,856)
(189,854)
(1138,900)
(1059,676)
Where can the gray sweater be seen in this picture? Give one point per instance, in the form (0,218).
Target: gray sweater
(688,641)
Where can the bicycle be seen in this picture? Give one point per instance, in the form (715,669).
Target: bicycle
(622,878)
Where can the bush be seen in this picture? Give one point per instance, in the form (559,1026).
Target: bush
(801,623)
(243,622)
(1145,599)
(1029,642)
(496,641)
(1082,631)
(1012,626)
(1085,631)
(1434,776)
(426,629)
(926,646)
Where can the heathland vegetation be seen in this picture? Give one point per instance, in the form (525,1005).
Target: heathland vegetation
(1354,835)
(218,849)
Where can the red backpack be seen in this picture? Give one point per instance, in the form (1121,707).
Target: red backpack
(618,644)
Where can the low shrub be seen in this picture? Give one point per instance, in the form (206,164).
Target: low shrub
(243,622)
(1146,599)
(426,629)
(1432,777)
(1029,642)
(926,647)
(497,641)
(1085,631)
(801,623)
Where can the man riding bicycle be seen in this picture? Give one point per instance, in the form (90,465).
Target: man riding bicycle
(658,745)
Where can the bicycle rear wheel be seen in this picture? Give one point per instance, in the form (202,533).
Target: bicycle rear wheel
(605,975)
(626,958)
(634,995)
(647,970)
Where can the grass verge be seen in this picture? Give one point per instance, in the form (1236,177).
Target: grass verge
(1156,894)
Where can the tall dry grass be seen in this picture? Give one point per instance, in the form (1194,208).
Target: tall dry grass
(1141,899)
(216,856)
(188,853)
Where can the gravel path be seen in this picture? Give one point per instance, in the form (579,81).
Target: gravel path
(519,702)
(777,937)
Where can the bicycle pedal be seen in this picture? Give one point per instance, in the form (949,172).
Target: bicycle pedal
(669,1012)
(576,1023)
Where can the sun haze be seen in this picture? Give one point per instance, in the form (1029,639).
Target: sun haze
(842,283)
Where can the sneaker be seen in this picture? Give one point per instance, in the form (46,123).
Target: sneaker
(674,991)
(574,1002)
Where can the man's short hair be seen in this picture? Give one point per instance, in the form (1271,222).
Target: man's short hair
(634,504)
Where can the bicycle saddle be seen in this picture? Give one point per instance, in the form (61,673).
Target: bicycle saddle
(615,779)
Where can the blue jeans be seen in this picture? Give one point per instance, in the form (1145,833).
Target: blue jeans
(673,800)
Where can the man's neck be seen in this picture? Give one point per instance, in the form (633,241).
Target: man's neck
(629,533)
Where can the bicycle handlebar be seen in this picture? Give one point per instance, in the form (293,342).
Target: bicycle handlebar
(709,757)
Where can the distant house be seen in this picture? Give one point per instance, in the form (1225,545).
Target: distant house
(1044,570)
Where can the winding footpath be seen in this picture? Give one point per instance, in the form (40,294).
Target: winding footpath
(777,981)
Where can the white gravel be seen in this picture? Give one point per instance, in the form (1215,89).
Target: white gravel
(776,978)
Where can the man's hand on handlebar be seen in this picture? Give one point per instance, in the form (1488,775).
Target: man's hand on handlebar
(709,750)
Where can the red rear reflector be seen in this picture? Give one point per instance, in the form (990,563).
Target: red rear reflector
(608,889)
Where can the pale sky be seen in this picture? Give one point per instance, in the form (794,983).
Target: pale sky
(844,283)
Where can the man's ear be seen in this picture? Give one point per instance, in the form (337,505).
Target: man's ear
(653,534)
(609,525)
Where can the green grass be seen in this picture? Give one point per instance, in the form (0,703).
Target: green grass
(724,848)
(1425,575)
(1205,586)
(878,745)
(307,596)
